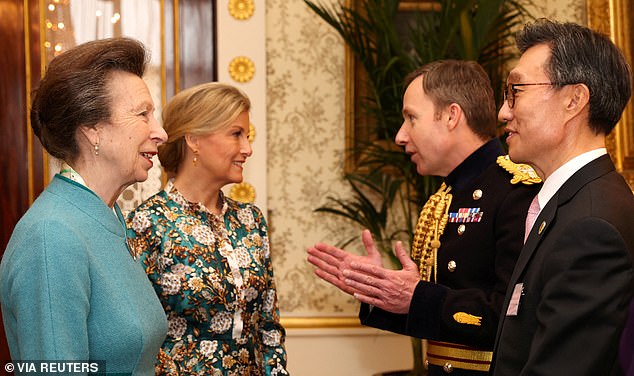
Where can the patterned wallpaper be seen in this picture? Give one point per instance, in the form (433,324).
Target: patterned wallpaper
(305,112)
(305,117)
(563,10)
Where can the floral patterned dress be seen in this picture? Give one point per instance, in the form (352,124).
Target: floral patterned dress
(214,277)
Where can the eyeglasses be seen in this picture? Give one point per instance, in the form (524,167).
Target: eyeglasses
(510,91)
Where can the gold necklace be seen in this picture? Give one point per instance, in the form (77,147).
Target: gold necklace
(430,227)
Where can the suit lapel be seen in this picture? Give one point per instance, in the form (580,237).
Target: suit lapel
(586,174)
(540,228)
(578,180)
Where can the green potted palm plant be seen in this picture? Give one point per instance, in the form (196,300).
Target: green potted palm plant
(387,192)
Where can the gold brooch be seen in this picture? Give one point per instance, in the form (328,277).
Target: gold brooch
(521,172)
(241,9)
(243,192)
(241,69)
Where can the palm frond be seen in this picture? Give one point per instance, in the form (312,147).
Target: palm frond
(462,29)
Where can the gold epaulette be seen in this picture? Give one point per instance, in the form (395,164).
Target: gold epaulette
(522,173)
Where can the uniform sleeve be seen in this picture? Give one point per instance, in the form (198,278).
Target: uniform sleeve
(588,276)
(435,309)
(48,294)
(272,333)
(378,318)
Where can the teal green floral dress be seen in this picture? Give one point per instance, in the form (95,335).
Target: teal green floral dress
(214,277)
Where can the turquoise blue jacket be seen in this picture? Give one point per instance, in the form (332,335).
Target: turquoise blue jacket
(70,290)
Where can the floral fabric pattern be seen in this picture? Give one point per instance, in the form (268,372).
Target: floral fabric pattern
(214,277)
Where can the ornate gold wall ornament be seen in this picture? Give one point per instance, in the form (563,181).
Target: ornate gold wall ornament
(243,192)
(431,225)
(241,9)
(251,137)
(521,172)
(466,318)
(241,69)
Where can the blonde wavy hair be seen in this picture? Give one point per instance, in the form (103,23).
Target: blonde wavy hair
(200,111)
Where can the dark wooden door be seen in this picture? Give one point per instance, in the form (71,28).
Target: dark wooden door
(21,157)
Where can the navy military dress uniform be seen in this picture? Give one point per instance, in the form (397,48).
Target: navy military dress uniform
(459,313)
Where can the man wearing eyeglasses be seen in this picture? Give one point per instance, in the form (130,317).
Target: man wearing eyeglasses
(569,295)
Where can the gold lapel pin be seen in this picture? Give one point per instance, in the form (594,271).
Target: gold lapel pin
(541,227)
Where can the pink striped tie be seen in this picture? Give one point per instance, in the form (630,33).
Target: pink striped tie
(533,211)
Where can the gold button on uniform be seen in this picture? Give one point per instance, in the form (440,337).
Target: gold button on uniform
(451,265)
(448,368)
(461,229)
(477,194)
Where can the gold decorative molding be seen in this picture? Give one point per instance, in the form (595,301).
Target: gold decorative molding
(241,9)
(614,18)
(320,322)
(349,118)
(356,123)
(419,6)
(28,82)
(251,136)
(242,192)
(177,56)
(241,69)
(598,12)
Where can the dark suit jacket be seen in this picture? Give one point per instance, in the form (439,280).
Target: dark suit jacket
(483,253)
(576,271)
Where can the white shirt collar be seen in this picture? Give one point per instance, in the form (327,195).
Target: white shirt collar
(563,173)
(73,175)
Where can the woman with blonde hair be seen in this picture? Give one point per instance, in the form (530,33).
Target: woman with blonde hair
(207,255)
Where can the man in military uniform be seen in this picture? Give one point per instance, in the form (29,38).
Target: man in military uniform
(469,233)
